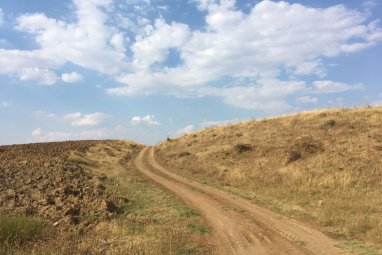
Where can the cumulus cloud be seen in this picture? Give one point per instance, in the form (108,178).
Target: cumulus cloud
(238,56)
(307,100)
(79,119)
(214,123)
(148,120)
(251,49)
(154,47)
(37,132)
(72,77)
(186,130)
(88,42)
(39,135)
(335,87)
(41,76)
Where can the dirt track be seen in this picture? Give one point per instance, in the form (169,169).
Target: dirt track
(240,226)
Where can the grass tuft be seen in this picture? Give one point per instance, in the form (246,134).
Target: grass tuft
(196,227)
(17,231)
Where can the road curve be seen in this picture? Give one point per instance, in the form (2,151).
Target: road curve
(241,228)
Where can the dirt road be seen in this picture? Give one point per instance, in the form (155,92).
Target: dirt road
(240,226)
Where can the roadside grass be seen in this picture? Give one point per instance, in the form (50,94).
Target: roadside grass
(323,167)
(189,213)
(154,221)
(196,227)
(16,231)
(361,248)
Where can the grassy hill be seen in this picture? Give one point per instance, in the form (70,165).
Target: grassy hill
(324,167)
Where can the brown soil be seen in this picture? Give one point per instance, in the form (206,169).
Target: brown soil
(240,226)
(41,180)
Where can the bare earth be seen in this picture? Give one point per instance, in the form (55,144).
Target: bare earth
(239,226)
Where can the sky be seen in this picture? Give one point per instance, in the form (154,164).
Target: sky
(145,70)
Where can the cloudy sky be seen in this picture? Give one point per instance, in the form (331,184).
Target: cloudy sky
(147,69)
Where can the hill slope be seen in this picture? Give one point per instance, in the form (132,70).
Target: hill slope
(324,166)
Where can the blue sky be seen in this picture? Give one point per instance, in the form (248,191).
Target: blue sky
(147,69)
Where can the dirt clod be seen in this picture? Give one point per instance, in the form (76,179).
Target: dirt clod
(41,180)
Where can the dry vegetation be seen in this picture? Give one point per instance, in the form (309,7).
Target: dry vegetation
(86,198)
(323,167)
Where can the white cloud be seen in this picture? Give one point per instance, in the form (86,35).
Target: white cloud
(45,114)
(88,42)
(148,120)
(1,17)
(338,102)
(369,6)
(118,41)
(186,130)
(268,96)
(335,87)
(4,104)
(251,49)
(41,76)
(39,135)
(72,77)
(307,100)
(154,47)
(236,52)
(214,123)
(163,7)
(79,119)
(37,132)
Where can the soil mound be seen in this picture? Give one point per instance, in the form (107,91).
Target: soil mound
(41,180)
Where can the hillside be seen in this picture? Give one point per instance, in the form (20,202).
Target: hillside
(322,167)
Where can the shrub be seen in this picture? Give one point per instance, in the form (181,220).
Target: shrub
(241,147)
(328,124)
(184,153)
(302,147)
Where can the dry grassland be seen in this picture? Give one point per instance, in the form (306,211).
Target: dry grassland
(324,167)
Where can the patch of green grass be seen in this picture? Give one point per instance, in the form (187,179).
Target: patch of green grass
(187,213)
(16,231)
(301,243)
(125,207)
(19,229)
(196,227)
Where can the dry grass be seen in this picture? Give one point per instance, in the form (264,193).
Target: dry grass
(324,166)
(151,221)
(16,231)
(154,221)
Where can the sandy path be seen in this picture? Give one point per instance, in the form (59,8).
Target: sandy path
(240,226)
